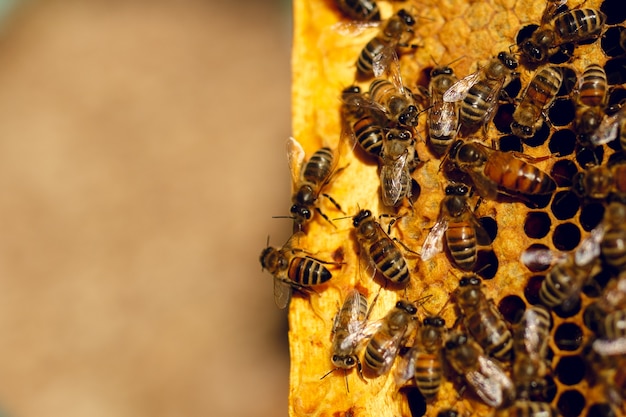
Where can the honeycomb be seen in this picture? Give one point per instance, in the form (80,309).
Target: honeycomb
(466,33)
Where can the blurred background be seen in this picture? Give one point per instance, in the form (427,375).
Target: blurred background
(141,161)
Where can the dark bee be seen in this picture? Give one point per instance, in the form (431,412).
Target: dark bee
(483,374)
(398,159)
(598,182)
(381,50)
(492,170)
(540,93)
(460,228)
(384,345)
(480,92)
(363,121)
(443,116)
(395,100)
(423,362)
(591,98)
(309,180)
(572,26)
(379,249)
(292,268)
(482,320)
(362,10)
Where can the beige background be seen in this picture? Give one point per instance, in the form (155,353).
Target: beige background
(141,160)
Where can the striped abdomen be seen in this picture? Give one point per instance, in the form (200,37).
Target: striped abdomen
(516,175)
(308,272)
(319,167)
(579,24)
(461,241)
(489,329)
(389,260)
(428,374)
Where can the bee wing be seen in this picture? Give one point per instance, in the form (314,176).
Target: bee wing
(610,347)
(295,158)
(353,27)
(482,237)
(534,343)
(589,249)
(391,175)
(490,382)
(458,90)
(541,258)
(445,114)
(492,98)
(433,244)
(282,293)
(405,370)
(386,62)
(607,131)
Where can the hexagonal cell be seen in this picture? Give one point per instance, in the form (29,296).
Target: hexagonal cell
(487,264)
(562,112)
(614,11)
(531,289)
(563,172)
(589,156)
(537,224)
(562,142)
(566,236)
(532,257)
(568,309)
(610,42)
(568,336)
(571,403)
(509,143)
(615,69)
(512,307)
(503,118)
(540,136)
(565,205)
(600,410)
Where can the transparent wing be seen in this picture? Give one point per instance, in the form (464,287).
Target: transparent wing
(610,347)
(459,90)
(353,27)
(282,293)
(490,382)
(534,342)
(607,131)
(392,174)
(445,116)
(589,249)
(295,159)
(405,369)
(433,244)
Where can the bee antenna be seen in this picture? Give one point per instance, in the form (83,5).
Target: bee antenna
(328,373)
(283,217)
(342,218)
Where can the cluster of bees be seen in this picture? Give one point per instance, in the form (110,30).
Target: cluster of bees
(506,364)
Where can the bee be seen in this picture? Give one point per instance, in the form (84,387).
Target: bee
(365,123)
(395,100)
(349,332)
(398,159)
(460,228)
(379,249)
(613,244)
(591,98)
(598,182)
(482,320)
(492,170)
(612,334)
(362,10)
(293,268)
(572,26)
(381,49)
(538,96)
(383,347)
(553,8)
(530,345)
(482,373)
(309,180)
(443,116)
(526,408)
(612,123)
(423,361)
(480,92)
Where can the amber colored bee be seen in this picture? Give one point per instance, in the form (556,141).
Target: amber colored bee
(363,121)
(553,9)
(348,331)
(309,180)
(530,345)
(591,99)
(538,96)
(423,362)
(293,268)
(480,92)
(395,100)
(572,26)
(379,249)
(598,182)
(398,159)
(613,244)
(482,373)
(482,320)
(443,116)
(362,10)
(613,122)
(383,347)
(492,170)
(380,51)
(460,228)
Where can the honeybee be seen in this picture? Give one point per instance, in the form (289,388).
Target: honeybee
(395,33)
(492,170)
(379,249)
(443,116)
(395,100)
(612,123)
(460,227)
(423,361)
(530,344)
(483,374)
(526,408)
(591,98)
(598,182)
(552,10)
(365,123)
(538,96)
(362,10)
(480,92)
(572,26)
(382,348)
(398,159)
(309,180)
(482,320)
(613,244)
(348,332)
(293,268)
(612,334)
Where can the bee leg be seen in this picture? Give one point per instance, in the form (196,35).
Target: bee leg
(531,159)
(332,200)
(359,369)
